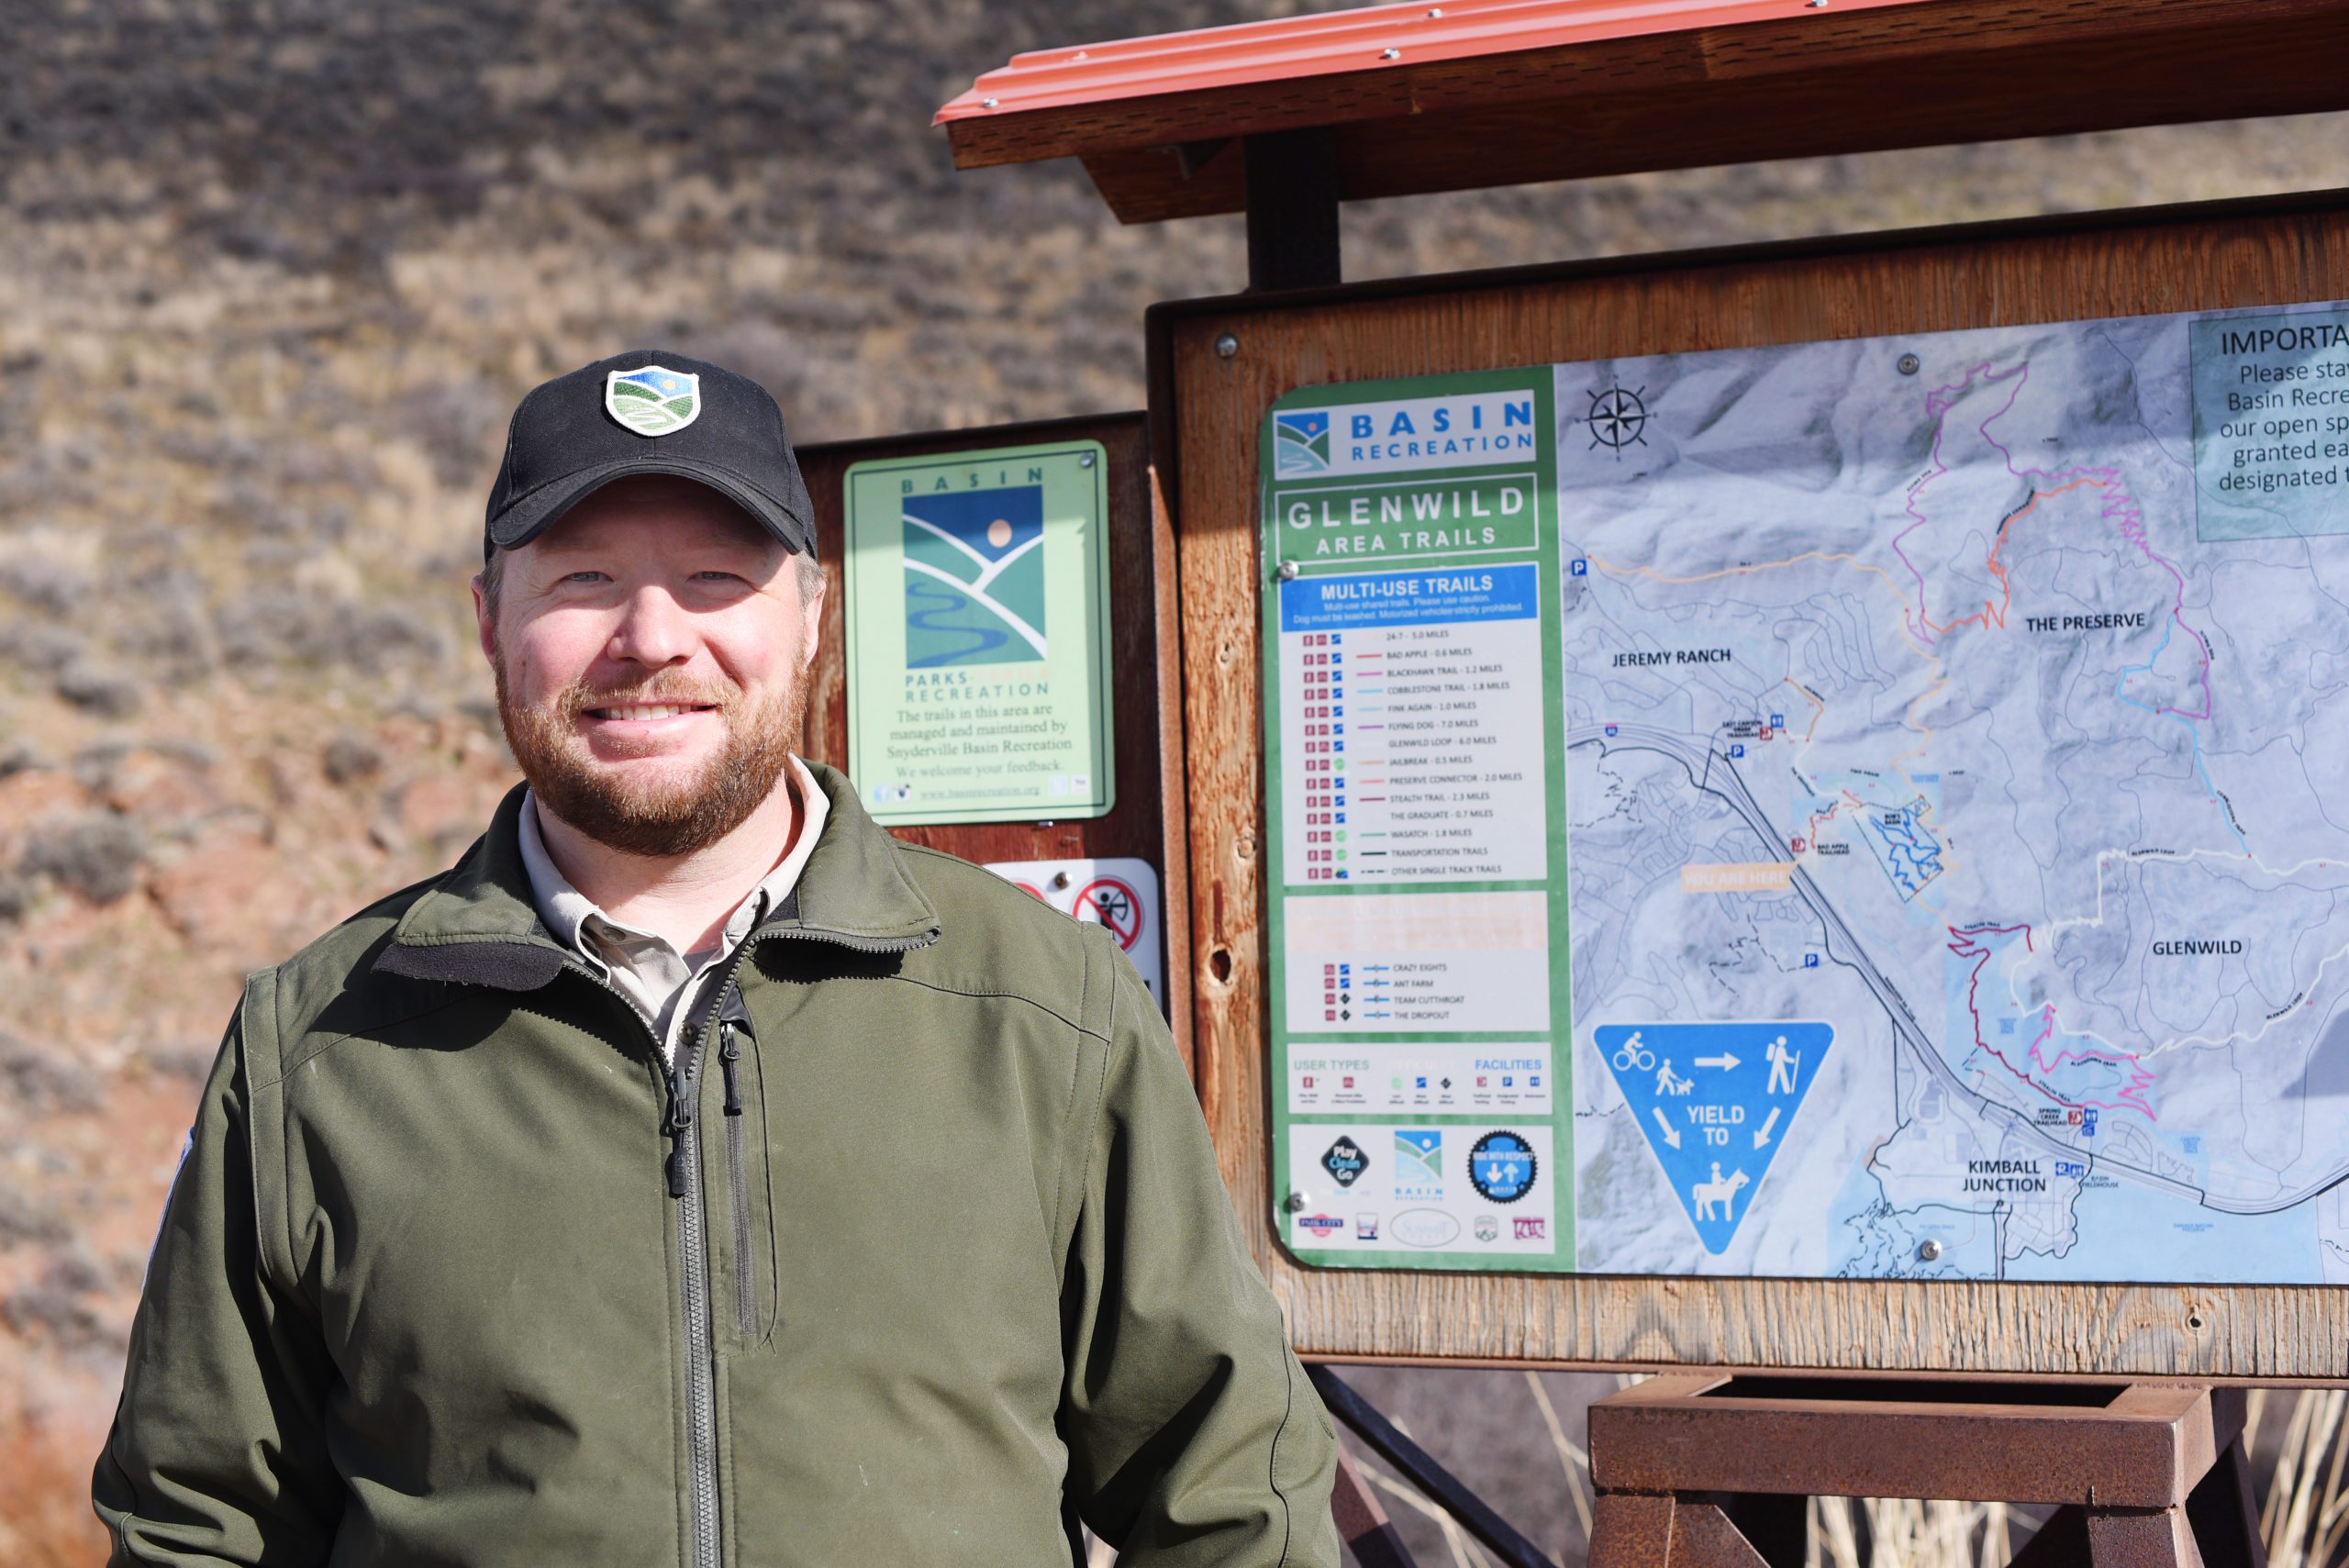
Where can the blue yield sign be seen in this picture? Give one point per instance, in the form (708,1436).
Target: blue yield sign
(1716,1101)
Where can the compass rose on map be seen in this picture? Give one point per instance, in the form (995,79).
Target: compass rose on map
(1616,418)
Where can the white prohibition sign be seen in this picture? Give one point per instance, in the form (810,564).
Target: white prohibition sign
(1113,904)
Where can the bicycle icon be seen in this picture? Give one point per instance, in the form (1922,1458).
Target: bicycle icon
(1631,1056)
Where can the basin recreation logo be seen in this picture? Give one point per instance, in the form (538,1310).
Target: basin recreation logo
(974,576)
(1401,435)
(1418,1164)
(654,401)
(1302,441)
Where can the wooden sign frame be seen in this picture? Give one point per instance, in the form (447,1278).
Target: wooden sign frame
(1216,367)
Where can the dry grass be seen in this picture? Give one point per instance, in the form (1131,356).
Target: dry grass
(2304,1521)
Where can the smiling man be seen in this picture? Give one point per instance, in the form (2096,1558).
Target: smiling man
(694,1174)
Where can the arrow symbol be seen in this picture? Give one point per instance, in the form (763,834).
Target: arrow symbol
(1725,1061)
(1762,1137)
(1669,1136)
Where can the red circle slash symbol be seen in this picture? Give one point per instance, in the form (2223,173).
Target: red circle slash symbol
(1113,904)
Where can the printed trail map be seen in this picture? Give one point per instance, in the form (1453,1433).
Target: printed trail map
(1958,730)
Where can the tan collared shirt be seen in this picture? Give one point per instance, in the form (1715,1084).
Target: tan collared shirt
(646,968)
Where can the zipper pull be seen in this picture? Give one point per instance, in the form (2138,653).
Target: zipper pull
(728,1052)
(680,1121)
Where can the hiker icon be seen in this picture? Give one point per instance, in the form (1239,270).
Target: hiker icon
(1667,1082)
(1784,1065)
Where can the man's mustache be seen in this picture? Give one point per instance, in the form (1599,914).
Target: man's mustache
(579,698)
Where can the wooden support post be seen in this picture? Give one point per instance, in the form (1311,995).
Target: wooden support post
(1292,210)
(1708,1471)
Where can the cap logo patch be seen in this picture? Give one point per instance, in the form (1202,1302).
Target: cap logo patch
(654,401)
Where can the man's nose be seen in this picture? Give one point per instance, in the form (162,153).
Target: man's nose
(653,630)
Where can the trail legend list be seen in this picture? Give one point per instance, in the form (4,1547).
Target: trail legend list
(1412,703)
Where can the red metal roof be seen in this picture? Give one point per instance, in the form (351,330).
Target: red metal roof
(1455,94)
(1373,39)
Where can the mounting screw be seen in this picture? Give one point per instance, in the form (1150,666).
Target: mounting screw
(1434,11)
(986,103)
(1085,460)
(1390,54)
(1226,346)
(1928,1249)
(1286,572)
(1294,1203)
(1060,879)
(1910,364)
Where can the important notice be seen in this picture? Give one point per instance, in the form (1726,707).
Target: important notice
(2271,425)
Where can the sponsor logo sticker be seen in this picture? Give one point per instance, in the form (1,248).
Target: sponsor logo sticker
(1424,1227)
(1501,1166)
(1345,1162)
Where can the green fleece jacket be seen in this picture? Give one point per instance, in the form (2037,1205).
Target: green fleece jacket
(916,1255)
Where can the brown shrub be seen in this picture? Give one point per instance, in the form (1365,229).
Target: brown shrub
(97,857)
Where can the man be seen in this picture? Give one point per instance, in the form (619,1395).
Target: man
(695,1175)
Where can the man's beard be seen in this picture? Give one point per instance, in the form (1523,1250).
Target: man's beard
(663,821)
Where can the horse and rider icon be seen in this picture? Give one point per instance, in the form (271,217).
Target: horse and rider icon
(1720,1190)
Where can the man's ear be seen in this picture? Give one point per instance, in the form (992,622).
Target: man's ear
(485,618)
(812,615)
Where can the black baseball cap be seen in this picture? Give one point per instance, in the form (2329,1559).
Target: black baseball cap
(647,411)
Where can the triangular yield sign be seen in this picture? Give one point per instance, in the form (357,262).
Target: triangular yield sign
(1716,1102)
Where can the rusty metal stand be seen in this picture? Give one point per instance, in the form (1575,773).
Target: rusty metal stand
(1710,1470)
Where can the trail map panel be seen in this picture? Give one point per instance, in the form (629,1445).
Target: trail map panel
(1923,855)
(1967,711)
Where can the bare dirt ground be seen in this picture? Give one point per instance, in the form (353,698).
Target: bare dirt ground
(270,281)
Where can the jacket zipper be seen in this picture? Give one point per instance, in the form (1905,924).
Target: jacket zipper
(685,1184)
(682,1170)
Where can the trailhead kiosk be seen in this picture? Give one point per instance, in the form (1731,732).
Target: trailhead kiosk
(1775,809)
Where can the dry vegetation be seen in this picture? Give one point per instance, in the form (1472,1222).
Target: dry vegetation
(270,279)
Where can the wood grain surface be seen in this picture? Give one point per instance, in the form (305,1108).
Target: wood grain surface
(1205,410)
(1146,819)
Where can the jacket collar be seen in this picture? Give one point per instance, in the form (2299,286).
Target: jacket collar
(477,925)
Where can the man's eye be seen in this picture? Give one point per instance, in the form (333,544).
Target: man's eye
(717,576)
(589,575)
